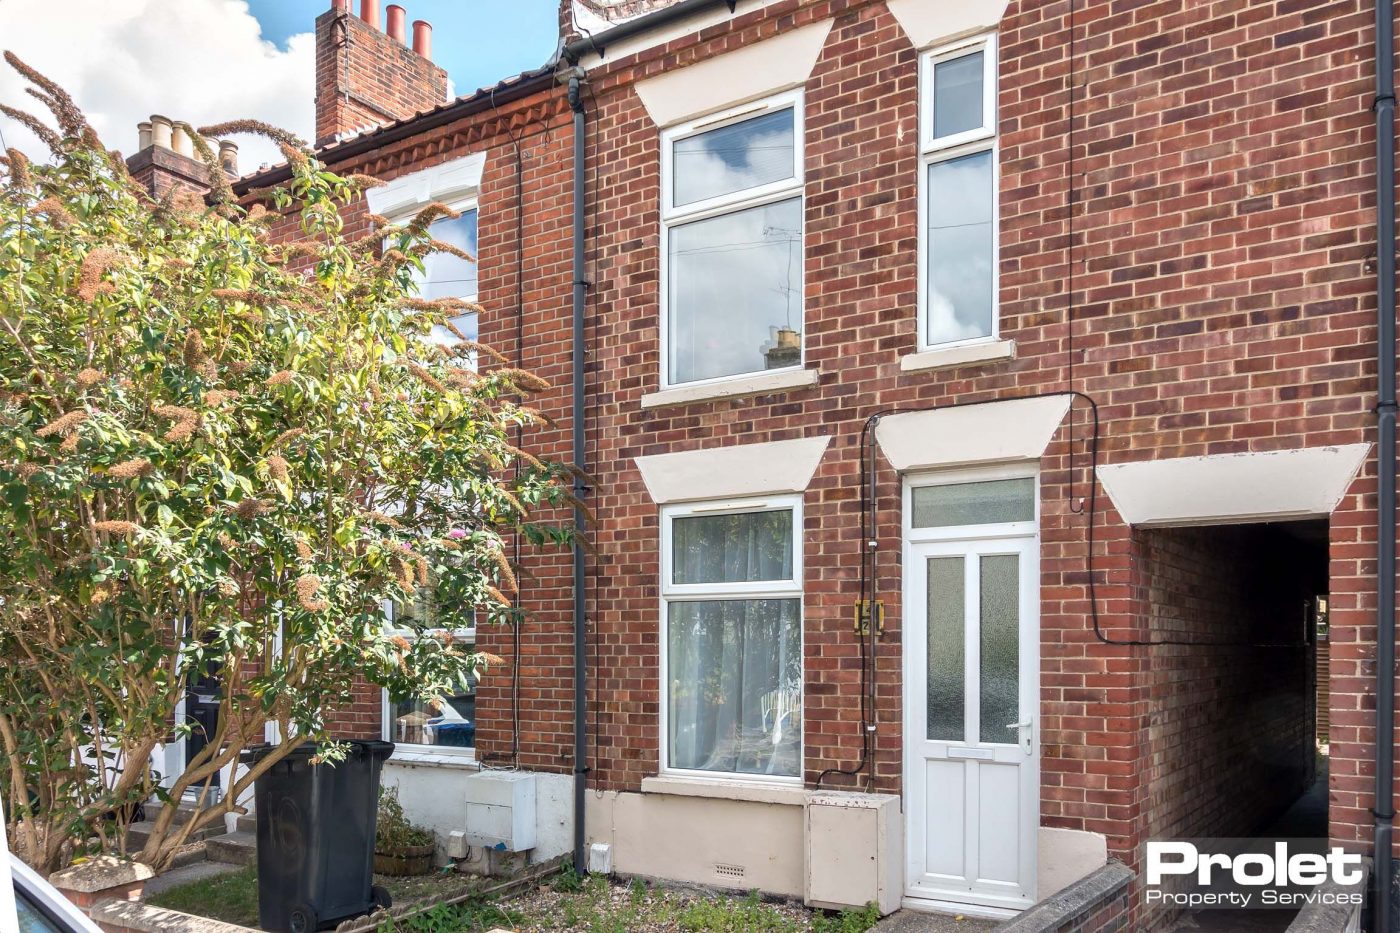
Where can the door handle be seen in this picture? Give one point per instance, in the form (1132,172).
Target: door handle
(1027,734)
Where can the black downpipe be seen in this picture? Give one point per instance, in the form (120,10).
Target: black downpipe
(1385,410)
(580,489)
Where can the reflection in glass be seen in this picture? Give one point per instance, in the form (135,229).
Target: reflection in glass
(447,276)
(735,291)
(960,248)
(444,720)
(1001,664)
(732,158)
(957,95)
(739,548)
(989,503)
(946,606)
(734,697)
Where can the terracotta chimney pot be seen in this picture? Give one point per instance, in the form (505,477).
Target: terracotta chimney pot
(340,6)
(369,12)
(396,20)
(423,38)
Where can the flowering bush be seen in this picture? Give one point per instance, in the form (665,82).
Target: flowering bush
(222,455)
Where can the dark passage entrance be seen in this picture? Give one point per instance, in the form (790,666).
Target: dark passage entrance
(1232,728)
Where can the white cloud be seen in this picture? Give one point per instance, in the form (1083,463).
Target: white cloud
(202,61)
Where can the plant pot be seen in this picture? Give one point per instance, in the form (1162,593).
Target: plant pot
(410,860)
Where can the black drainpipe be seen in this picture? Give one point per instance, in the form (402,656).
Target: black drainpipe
(1385,410)
(580,489)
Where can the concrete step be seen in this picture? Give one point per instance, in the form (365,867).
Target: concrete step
(183,810)
(248,823)
(233,848)
(138,833)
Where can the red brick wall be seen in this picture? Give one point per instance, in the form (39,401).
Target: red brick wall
(365,78)
(1223,301)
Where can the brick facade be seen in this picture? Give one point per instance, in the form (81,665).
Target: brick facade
(1223,301)
(365,77)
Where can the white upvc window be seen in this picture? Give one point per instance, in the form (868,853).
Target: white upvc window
(731,645)
(732,224)
(447,276)
(445,724)
(958,214)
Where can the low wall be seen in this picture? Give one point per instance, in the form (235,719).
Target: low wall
(1097,903)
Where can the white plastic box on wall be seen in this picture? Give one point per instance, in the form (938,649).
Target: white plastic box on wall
(855,850)
(501,810)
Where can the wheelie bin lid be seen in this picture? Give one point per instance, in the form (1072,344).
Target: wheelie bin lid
(359,748)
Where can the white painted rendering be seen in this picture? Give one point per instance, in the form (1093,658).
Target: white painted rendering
(739,387)
(988,351)
(926,22)
(449,181)
(996,432)
(1067,855)
(733,844)
(779,63)
(1233,488)
(731,472)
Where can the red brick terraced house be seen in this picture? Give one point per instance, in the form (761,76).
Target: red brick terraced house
(982,405)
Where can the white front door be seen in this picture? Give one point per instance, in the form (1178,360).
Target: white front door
(971,648)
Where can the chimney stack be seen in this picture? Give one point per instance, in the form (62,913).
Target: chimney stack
(396,18)
(423,38)
(366,77)
(165,158)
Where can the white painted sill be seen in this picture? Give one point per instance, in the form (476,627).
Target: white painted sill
(414,757)
(760,384)
(789,794)
(945,357)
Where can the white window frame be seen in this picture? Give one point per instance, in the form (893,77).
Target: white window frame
(931,150)
(411,750)
(770,193)
(694,592)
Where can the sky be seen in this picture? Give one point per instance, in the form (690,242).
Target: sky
(205,61)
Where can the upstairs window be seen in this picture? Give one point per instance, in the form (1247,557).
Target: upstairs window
(448,276)
(958,142)
(732,231)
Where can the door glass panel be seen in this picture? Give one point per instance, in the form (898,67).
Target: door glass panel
(1003,500)
(1000,674)
(946,605)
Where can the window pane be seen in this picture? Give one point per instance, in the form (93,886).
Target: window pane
(447,276)
(946,607)
(448,720)
(1003,500)
(465,323)
(735,686)
(1001,661)
(729,159)
(735,286)
(31,918)
(960,248)
(957,95)
(732,548)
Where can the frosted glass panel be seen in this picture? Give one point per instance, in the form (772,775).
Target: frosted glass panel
(742,548)
(957,95)
(947,600)
(1000,674)
(1003,500)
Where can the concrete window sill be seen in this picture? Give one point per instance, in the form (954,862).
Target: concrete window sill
(789,794)
(947,357)
(417,757)
(742,387)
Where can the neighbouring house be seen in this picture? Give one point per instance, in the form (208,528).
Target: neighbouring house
(981,404)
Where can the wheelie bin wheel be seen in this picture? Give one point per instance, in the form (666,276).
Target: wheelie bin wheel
(302,919)
(380,897)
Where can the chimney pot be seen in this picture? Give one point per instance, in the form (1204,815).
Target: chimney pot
(143,132)
(340,6)
(228,156)
(423,38)
(180,141)
(369,12)
(396,23)
(161,133)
